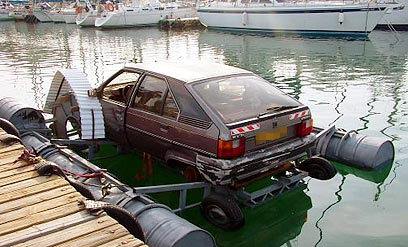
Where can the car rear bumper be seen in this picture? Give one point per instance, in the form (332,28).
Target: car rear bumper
(225,172)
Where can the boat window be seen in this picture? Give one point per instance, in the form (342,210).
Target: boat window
(120,88)
(153,96)
(242,97)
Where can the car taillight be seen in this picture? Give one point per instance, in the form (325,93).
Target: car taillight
(305,128)
(231,149)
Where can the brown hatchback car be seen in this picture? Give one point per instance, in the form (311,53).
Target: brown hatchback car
(215,122)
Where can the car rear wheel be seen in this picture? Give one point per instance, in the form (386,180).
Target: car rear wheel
(318,168)
(222,211)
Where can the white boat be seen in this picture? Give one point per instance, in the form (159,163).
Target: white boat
(64,13)
(142,14)
(5,9)
(18,13)
(87,14)
(56,16)
(333,18)
(69,15)
(397,18)
(41,12)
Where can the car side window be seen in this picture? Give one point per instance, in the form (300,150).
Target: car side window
(120,88)
(151,94)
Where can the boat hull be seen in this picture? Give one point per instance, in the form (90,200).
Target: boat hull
(86,19)
(69,16)
(56,16)
(139,17)
(353,20)
(41,15)
(397,18)
(5,16)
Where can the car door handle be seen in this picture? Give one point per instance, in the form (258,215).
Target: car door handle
(164,128)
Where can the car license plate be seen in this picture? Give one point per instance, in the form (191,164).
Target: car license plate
(273,135)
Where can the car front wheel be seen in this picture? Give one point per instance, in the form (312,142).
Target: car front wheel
(222,211)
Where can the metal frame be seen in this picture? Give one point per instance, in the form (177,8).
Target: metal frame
(251,199)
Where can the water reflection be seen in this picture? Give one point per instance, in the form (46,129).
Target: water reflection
(274,224)
(330,75)
(353,84)
(376,176)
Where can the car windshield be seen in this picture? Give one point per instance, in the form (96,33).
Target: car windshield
(243,97)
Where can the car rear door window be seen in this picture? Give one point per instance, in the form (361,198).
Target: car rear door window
(153,95)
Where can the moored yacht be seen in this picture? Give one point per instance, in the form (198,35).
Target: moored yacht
(87,13)
(333,18)
(41,11)
(5,9)
(398,18)
(122,15)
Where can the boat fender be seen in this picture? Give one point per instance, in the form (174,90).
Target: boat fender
(47,168)
(78,10)
(126,219)
(341,18)
(9,139)
(244,18)
(109,7)
(9,127)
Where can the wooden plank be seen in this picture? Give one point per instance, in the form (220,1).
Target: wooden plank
(18,178)
(70,233)
(27,183)
(13,148)
(8,155)
(12,165)
(125,242)
(30,190)
(45,228)
(16,170)
(35,198)
(8,159)
(97,238)
(25,212)
(40,217)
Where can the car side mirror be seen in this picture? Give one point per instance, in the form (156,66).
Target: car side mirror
(92,92)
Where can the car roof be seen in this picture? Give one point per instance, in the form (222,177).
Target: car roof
(189,71)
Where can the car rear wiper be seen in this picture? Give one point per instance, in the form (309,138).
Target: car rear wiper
(276,108)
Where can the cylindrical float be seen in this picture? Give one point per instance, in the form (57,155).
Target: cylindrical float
(357,150)
(161,227)
(23,117)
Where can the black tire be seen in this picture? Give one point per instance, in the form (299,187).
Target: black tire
(126,219)
(222,211)
(318,168)
(82,189)
(9,127)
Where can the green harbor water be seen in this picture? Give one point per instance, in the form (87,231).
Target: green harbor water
(349,83)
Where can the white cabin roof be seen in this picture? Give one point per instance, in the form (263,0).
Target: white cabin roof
(189,71)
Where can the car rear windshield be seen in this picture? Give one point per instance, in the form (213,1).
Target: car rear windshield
(242,97)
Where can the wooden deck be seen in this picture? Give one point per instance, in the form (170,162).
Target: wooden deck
(45,210)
